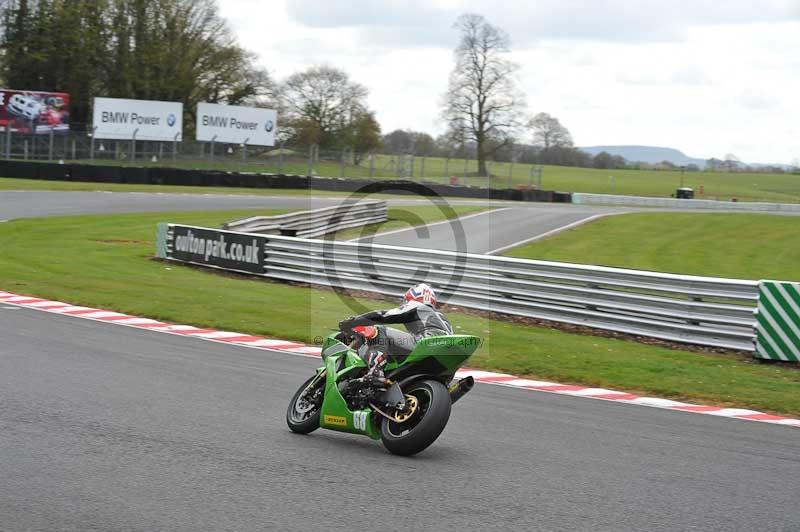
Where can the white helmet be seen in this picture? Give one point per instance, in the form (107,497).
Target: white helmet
(422,293)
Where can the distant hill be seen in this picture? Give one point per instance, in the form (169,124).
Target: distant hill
(647,154)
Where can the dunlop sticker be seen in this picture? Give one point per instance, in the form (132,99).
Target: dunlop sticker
(336,420)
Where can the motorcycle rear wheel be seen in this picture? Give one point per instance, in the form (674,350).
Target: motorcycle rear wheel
(421,430)
(303,416)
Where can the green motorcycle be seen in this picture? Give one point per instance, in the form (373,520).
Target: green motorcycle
(407,410)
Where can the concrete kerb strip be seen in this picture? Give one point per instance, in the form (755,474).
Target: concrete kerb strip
(300,349)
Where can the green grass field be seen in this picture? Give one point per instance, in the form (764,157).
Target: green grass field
(715,185)
(733,245)
(106,261)
(7,183)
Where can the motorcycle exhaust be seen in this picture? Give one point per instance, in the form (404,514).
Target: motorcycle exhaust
(460,388)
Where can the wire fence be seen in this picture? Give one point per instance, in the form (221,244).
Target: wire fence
(284,158)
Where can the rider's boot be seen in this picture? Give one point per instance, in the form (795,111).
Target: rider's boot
(375,364)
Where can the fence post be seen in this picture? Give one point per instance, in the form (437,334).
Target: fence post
(510,171)
(160,150)
(211,154)
(446,165)
(530,177)
(341,164)
(371,164)
(8,141)
(50,147)
(133,144)
(539,176)
(310,159)
(175,147)
(74,151)
(244,149)
(280,158)
(25,149)
(422,169)
(466,162)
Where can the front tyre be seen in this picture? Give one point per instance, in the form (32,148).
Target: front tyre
(305,407)
(424,426)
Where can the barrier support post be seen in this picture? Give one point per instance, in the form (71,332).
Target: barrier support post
(280,158)
(213,140)
(310,159)
(8,141)
(50,147)
(244,149)
(175,147)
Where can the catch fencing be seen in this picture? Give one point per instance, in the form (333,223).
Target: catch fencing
(699,310)
(309,224)
(458,167)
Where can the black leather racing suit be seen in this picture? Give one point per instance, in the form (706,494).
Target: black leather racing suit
(421,321)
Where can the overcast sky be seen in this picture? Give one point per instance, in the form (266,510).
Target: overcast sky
(709,77)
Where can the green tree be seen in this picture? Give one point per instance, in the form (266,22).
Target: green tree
(176,50)
(322,105)
(365,135)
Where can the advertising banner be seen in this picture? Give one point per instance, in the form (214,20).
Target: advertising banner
(31,112)
(236,124)
(224,249)
(120,118)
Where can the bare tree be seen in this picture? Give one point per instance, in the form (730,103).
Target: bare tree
(322,103)
(482,104)
(549,133)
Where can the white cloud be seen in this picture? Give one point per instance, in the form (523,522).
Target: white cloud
(699,75)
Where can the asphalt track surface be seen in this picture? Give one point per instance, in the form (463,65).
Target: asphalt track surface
(491,230)
(109,428)
(508,224)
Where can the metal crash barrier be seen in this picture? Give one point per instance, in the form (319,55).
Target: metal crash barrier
(699,310)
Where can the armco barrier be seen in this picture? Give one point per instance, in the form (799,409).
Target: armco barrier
(699,310)
(644,201)
(179,176)
(314,223)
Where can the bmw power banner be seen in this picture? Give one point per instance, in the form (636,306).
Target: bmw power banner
(236,124)
(33,112)
(120,118)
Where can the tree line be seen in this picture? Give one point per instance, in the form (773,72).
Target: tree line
(183,50)
(175,50)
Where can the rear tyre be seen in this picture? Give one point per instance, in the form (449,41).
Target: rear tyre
(424,426)
(305,407)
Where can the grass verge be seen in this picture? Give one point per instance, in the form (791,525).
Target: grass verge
(732,245)
(106,261)
(9,183)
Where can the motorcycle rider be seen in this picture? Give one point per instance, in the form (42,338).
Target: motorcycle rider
(418,313)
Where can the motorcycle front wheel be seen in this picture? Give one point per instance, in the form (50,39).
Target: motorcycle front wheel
(305,407)
(420,430)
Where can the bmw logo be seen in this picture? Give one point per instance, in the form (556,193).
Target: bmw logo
(268,126)
(171,120)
